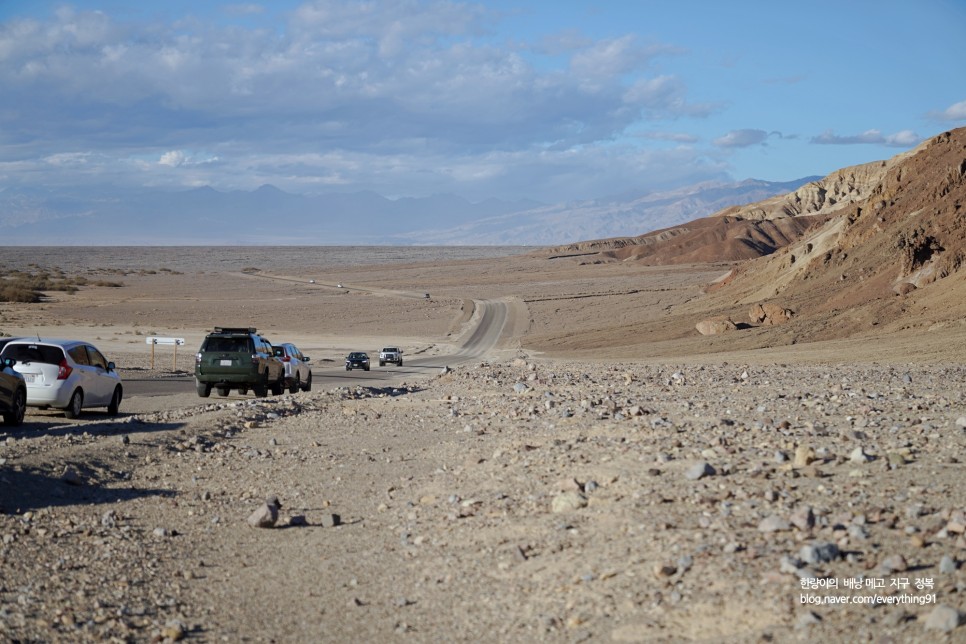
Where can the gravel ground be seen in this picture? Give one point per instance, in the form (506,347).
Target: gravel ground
(516,500)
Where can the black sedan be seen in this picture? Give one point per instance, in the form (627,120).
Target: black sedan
(357,360)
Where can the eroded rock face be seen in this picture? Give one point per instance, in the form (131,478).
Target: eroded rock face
(770,314)
(715,326)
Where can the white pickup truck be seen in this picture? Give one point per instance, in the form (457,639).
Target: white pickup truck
(390,354)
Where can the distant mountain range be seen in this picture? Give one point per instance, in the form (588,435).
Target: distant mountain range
(269,216)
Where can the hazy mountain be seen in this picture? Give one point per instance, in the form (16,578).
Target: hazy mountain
(267,215)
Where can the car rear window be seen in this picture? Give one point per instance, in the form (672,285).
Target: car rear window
(228,344)
(42,353)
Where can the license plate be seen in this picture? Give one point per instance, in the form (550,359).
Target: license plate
(225,363)
(28,377)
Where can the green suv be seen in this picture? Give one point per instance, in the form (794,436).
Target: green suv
(237,358)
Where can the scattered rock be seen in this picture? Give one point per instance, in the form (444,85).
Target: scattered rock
(699,471)
(944,618)
(715,326)
(567,502)
(773,523)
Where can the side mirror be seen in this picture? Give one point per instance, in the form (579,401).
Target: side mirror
(111,366)
(7,363)
(305,358)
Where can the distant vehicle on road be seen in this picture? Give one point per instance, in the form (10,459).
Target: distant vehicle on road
(311,281)
(390,354)
(65,374)
(357,360)
(298,373)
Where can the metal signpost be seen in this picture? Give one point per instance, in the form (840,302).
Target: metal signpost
(176,342)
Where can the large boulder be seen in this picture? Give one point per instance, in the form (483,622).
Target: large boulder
(715,326)
(770,314)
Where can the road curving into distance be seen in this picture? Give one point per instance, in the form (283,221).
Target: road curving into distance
(481,338)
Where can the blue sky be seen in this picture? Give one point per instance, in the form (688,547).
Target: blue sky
(554,101)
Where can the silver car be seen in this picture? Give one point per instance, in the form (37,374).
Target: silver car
(66,374)
(298,373)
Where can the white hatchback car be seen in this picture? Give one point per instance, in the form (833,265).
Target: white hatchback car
(66,374)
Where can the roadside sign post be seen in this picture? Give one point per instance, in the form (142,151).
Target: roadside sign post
(175,342)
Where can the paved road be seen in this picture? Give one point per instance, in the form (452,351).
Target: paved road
(492,316)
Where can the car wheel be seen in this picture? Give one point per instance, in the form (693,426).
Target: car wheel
(366,368)
(75,405)
(18,408)
(399,364)
(296,385)
(261,389)
(382,364)
(308,383)
(243,390)
(223,391)
(115,404)
(348,368)
(204,389)
(278,386)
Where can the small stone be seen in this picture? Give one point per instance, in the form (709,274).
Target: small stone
(947,565)
(807,619)
(774,523)
(567,502)
(664,570)
(330,520)
(822,552)
(803,518)
(894,563)
(264,517)
(944,618)
(71,477)
(803,456)
(961,422)
(859,456)
(699,471)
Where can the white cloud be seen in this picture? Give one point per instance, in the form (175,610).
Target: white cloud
(741,138)
(955,112)
(173,159)
(901,139)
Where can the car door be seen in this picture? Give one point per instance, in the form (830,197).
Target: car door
(102,380)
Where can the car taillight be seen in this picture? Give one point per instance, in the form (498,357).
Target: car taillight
(197,358)
(63,370)
(254,358)
(286,359)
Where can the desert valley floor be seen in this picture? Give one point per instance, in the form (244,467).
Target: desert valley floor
(601,472)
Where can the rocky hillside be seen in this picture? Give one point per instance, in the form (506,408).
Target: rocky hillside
(744,232)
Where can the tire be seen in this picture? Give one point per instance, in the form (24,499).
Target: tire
(382,364)
(278,386)
(243,390)
(115,405)
(75,405)
(307,386)
(348,368)
(399,364)
(261,389)
(204,389)
(366,368)
(223,391)
(296,385)
(14,417)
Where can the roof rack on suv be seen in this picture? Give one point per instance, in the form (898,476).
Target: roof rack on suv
(235,329)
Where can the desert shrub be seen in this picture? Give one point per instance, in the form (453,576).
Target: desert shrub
(18,293)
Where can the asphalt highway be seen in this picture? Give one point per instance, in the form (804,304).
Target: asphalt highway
(491,318)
